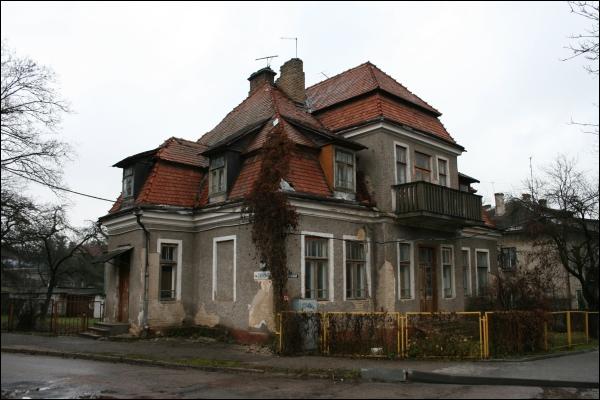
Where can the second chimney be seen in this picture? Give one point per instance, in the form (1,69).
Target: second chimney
(291,80)
(500,208)
(259,77)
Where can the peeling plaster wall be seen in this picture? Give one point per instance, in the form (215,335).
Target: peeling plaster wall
(260,311)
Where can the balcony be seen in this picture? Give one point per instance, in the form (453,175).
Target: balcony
(425,202)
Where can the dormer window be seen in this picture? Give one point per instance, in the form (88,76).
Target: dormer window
(127,182)
(344,170)
(217,175)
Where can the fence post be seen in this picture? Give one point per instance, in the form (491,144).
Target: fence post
(11,315)
(587,327)
(280,332)
(481,336)
(569,328)
(325,335)
(399,347)
(546,336)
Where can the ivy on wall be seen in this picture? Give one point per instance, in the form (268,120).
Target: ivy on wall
(271,213)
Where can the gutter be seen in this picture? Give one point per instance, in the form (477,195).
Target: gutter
(138,214)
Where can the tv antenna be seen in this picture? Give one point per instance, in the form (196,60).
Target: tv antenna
(295,39)
(323,73)
(268,58)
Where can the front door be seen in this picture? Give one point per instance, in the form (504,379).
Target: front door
(427,280)
(123,292)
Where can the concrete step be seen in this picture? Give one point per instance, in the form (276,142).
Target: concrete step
(115,328)
(90,335)
(99,331)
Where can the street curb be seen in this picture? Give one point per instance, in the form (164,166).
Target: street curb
(298,374)
(430,377)
(541,356)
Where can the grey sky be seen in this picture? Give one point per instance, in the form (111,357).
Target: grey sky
(136,74)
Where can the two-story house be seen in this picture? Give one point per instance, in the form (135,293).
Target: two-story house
(386,221)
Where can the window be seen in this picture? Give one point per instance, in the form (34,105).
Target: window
(401,165)
(404,270)
(356,282)
(422,167)
(443,172)
(508,257)
(466,265)
(463,187)
(482,272)
(168,271)
(316,261)
(344,170)
(128,182)
(217,175)
(447,272)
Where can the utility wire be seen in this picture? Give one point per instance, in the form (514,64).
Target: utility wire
(62,188)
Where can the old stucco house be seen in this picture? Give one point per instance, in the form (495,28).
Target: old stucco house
(387,222)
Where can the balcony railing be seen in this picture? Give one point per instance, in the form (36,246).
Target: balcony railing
(422,198)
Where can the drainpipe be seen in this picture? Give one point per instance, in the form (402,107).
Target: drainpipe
(138,214)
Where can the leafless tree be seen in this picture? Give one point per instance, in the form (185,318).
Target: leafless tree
(586,45)
(563,217)
(31,110)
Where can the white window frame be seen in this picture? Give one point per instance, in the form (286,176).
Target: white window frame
(412,270)
(452,271)
(477,269)
(335,186)
(367,243)
(179,268)
(330,266)
(437,166)
(408,162)
(214,264)
(470,276)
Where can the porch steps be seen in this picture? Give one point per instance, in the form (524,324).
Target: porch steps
(105,329)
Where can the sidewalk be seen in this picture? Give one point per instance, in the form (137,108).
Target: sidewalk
(581,368)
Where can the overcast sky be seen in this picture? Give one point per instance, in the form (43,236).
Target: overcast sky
(136,74)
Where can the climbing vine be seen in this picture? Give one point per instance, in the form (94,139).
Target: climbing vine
(270,212)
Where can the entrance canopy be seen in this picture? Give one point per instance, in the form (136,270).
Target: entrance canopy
(111,254)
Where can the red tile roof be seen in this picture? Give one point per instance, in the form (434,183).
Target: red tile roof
(358,81)
(172,184)
(377,106)
(182,151)
(266,102)
(487,218)
(305,175)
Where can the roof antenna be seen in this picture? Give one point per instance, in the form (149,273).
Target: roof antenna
(268,58)
(292,38)
(323,73)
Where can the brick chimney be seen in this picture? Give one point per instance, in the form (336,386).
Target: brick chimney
(259,77)
(291,80)
(500,208)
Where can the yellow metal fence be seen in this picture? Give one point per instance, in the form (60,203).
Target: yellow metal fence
(459,335)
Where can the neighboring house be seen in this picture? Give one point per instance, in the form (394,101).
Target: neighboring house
(386,221)
(519,249)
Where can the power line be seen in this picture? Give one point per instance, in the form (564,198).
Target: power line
(62,188)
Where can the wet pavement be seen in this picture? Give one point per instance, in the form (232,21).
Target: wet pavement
(25,376)
(576,367)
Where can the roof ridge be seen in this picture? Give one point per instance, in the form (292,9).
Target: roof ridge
(251,95)
(341,73)
(404,87)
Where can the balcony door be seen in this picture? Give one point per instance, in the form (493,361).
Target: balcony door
(427,279)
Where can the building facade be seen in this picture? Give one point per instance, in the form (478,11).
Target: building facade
(386,221)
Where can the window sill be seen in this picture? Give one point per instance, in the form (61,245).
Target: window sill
(167,301)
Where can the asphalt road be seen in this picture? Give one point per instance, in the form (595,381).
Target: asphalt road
(25,376)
